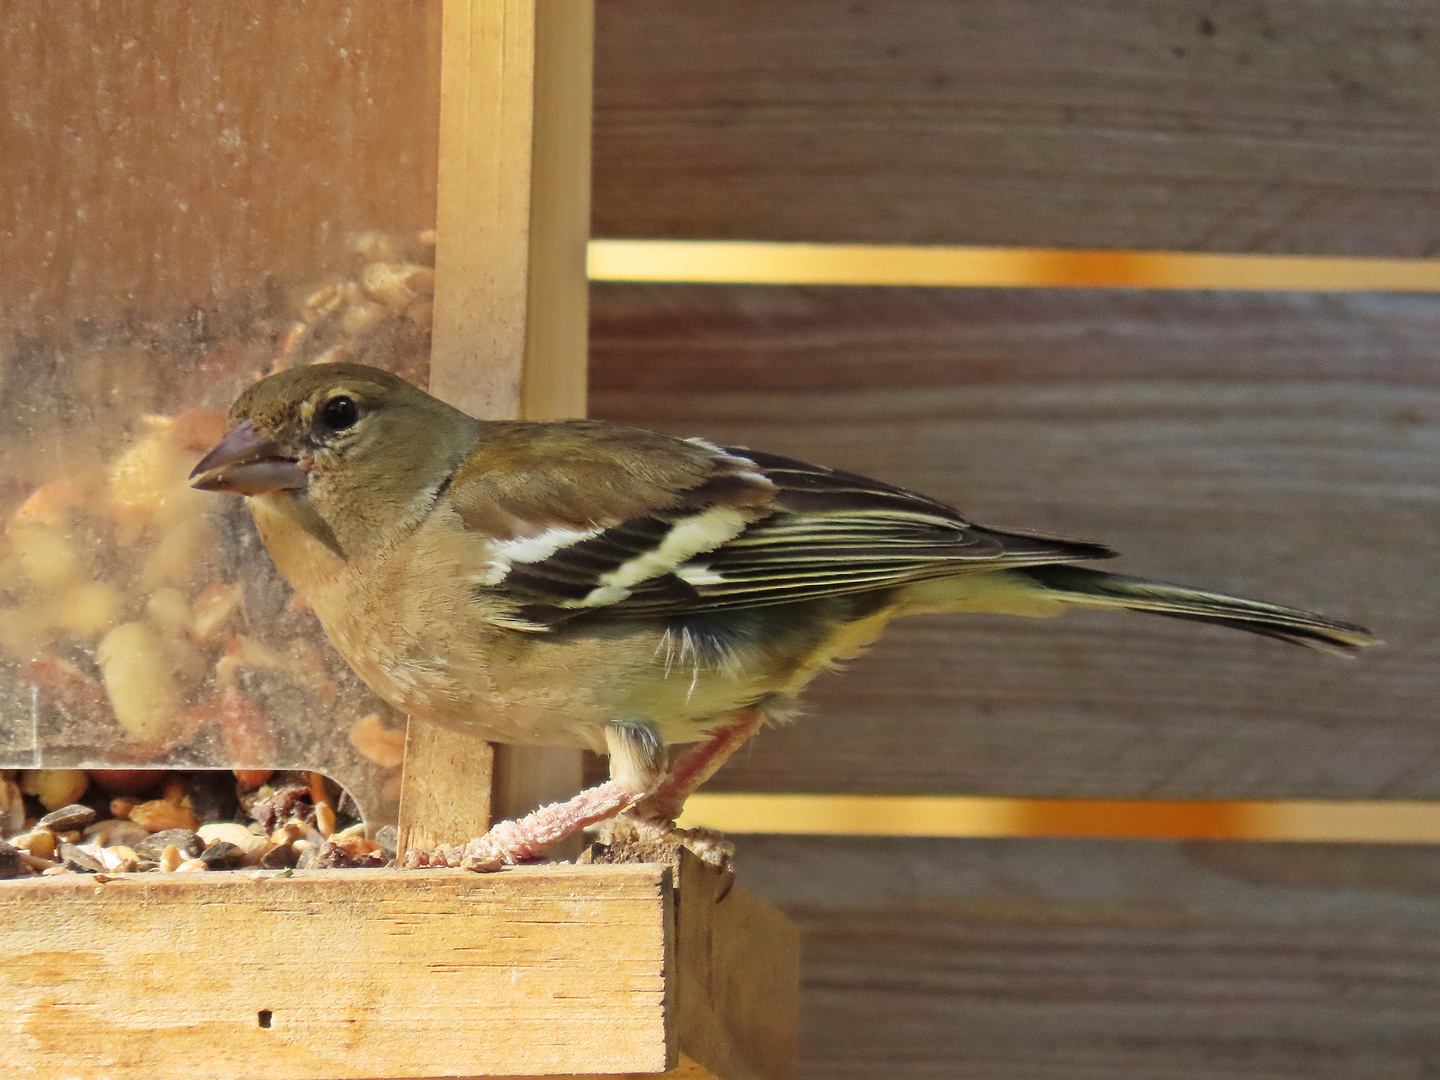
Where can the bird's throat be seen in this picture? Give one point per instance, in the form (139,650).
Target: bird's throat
(299,539)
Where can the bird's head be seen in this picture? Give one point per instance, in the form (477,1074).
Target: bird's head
(357,443)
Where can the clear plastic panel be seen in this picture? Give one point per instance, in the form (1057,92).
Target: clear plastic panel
(142,623)
(185,199)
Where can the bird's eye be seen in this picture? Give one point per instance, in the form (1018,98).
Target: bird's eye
(339,413)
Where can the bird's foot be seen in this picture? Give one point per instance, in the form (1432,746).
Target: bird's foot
(509,843)
(632,838)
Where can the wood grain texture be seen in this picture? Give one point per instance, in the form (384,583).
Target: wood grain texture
(1277,446)
(1286,126)
(152,161)
(544,970)
(687,1069)
(510,292)
(446,786)
(513,208)
(555,333)
(1077,960)
(737,961)
(482,254)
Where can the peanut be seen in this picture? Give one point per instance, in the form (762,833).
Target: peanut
(87,610)
(42,844)
(253,778)
(46,555)
(324,820)
(212,610)
(137,671)
(55,787)
(157,815)
(168,609)
(397,284)
(384,747)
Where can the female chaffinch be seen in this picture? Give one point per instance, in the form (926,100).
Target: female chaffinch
(582,584)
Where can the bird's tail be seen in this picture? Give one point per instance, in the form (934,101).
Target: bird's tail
(1082,587)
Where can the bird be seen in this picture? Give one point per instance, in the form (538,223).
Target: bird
(656,599)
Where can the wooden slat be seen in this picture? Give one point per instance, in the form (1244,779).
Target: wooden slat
(558,300)
(1076,960)
(1280,446)
(1294,126)
(687,1069)
(446,789)
(510,296)
(510,293)
(152,162)
(544,970)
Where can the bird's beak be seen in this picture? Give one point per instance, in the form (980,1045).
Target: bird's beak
(247,463)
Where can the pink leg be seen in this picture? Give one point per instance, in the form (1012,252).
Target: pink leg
(667,799)
(511,842)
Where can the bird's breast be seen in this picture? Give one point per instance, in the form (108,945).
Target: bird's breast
(417,621)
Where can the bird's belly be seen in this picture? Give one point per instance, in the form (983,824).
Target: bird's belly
(424,669)
(545,690)
(410,623)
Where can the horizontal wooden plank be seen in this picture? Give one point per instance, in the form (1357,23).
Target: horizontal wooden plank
(342,974)
(687,1069)
(1278,446)
(152,163)
(1075,960)
(1294,126)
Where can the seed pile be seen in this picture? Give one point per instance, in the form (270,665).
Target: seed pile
(73,821)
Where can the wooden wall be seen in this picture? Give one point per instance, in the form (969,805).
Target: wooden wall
(1219,125)
(1081,960)
(1278,445)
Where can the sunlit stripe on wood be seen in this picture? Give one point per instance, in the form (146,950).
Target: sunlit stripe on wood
(737,262)
(975,816)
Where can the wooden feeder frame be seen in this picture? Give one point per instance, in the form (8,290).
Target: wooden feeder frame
(538,971)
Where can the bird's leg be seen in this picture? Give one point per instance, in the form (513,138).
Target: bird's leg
(651,821)
(666,801)
(521,840)
(636,763)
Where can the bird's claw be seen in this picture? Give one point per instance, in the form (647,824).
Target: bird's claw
(630,837)
(709,847)
(634,838)
(483,855)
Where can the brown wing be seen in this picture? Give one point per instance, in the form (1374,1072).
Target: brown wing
(523,478)
(691,527)
(834,532)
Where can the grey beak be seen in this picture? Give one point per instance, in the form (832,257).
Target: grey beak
(247,463)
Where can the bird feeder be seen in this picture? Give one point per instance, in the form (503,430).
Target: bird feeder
(198,198)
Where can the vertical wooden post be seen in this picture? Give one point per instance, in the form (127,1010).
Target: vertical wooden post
(513,219)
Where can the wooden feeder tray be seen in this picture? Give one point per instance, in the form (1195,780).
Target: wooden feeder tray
(555,970)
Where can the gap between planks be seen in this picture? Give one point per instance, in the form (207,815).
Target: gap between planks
(757,262)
